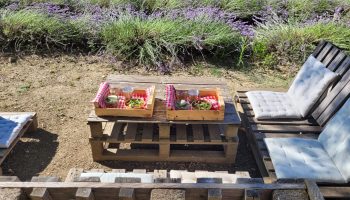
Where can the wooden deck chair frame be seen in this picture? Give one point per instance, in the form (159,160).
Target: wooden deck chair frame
(30,126)
(334,59)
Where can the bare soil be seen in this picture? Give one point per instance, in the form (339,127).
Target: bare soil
(59,90)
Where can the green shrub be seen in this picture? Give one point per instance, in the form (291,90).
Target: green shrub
(293,43)
(32,30)
(151,41)
(4,2)
(244,8)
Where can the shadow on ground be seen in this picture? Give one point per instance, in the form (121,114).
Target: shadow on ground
(244,162)
(35,151)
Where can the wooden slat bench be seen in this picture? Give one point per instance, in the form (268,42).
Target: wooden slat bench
(131,188)
(334,59)
(31,126)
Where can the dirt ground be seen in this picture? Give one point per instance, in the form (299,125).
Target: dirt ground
(59,90)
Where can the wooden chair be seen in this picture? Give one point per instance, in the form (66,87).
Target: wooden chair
(334,59)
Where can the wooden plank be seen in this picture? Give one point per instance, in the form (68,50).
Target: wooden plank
(335,192)
(96,129)
(286,128)
(126,194)
(197,130)
(131,132)
(251,195)
(344,66)
(332,94)
(261,136)
(116,130)
(231,117)
(86,193)
(181,133)
(214,132)
(164,151)
(164,131)
(319,48)
(147,133)
(231,131)
(335,105)
(42,193)
(327,48)
(214,194)
(313,190)
(231,152)
(96,149)
(334,65)
(206,141)
(309,122)
(330,57)
(127,180)
(69,185)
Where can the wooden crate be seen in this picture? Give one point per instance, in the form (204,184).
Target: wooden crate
(200,114)
(147,112)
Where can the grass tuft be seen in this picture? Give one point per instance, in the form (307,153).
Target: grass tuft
(153,40)
(28,29)
(292,43)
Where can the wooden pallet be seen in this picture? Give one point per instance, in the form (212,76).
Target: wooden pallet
(30,126)
(172,176)
(335,60)
(91,188)
(159,139)
(145,143)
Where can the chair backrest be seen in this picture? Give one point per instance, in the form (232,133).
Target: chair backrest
(335,139)
(337,61)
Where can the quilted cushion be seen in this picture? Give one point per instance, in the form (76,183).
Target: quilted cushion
(335,139)
(267,105)
(309,84)
(10,126)
(302,158)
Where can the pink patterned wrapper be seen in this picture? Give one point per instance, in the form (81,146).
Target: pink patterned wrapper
(101,95)
(170,96)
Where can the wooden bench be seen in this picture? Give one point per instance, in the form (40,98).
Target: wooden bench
(30,126)
(91,188)
(334,59)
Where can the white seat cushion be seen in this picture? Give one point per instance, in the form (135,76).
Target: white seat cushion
(267,105)
(10,127)
(310,83)
(335,139)
(295,158)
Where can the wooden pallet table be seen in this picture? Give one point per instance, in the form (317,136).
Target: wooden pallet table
(158,139)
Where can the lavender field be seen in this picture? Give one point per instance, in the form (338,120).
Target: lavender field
(159,33)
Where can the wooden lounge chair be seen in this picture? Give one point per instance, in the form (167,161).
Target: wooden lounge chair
(335,60)
(325,160)
(8,123)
